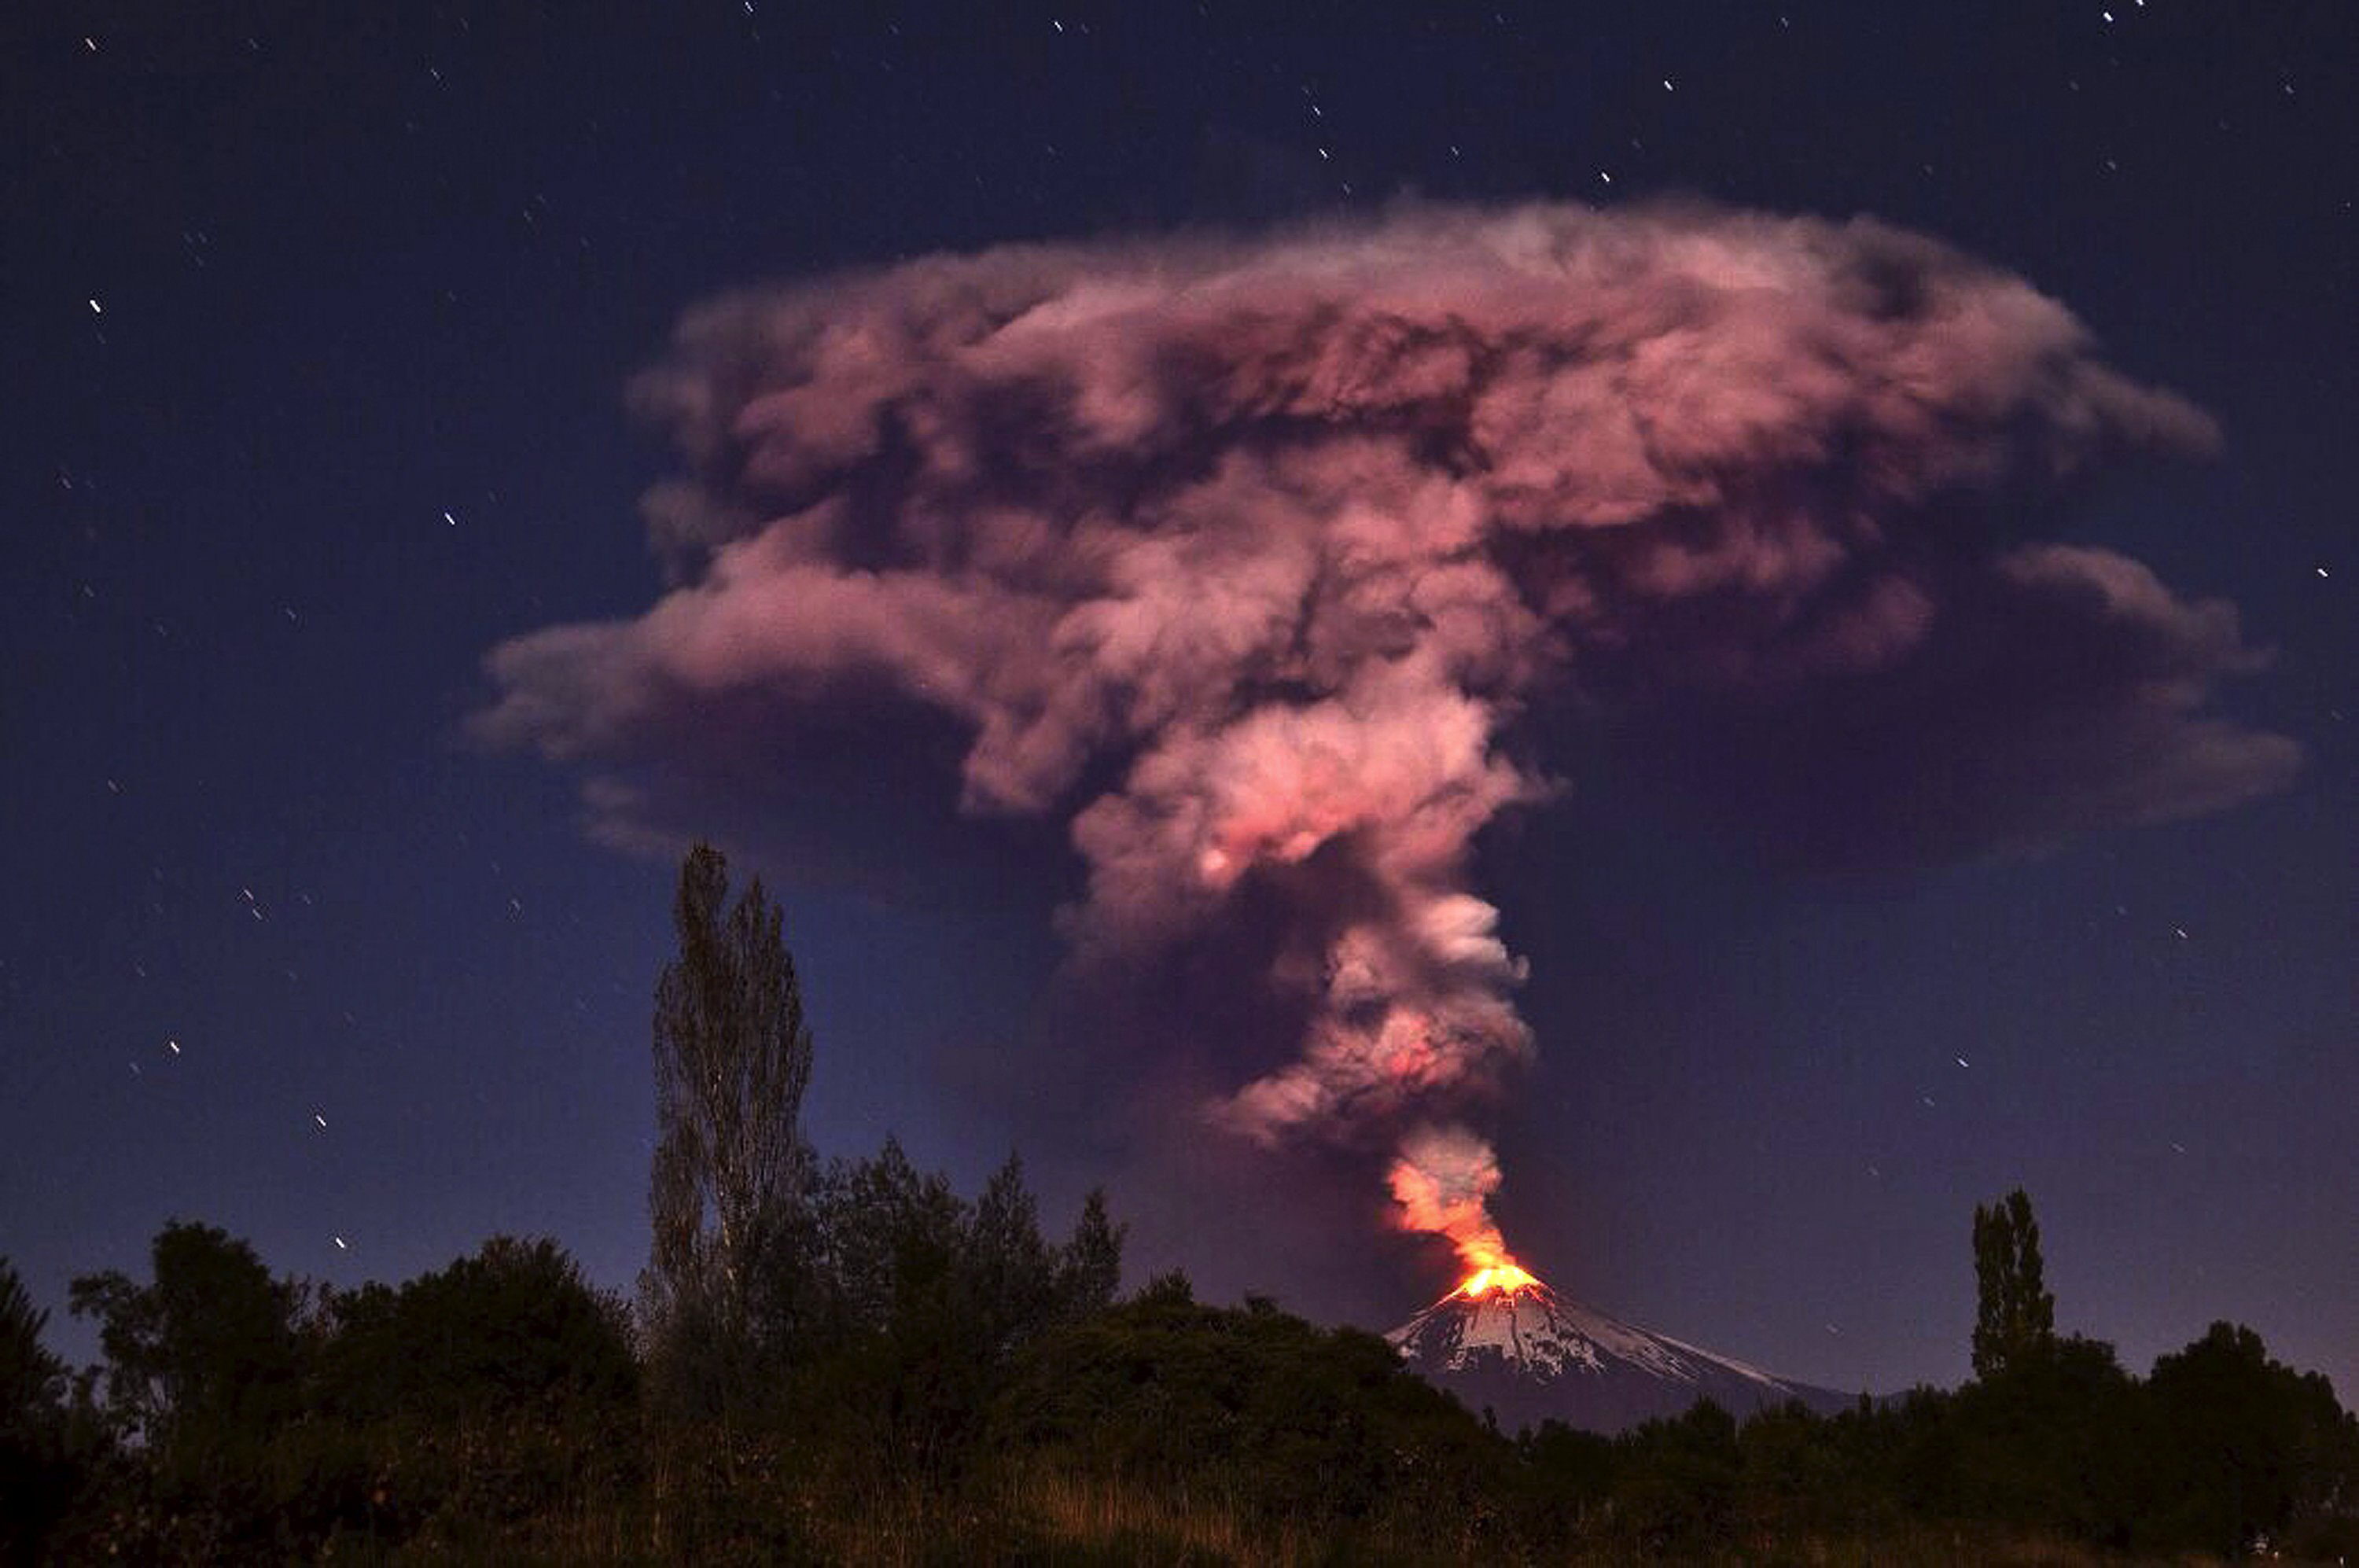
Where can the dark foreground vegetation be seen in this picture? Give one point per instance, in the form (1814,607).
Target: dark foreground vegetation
(852,1362)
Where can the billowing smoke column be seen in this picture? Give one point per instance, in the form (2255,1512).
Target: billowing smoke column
(1246,553)
(1442,1183)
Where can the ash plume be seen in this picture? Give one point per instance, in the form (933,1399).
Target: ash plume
(1244,556)
(1441,1182)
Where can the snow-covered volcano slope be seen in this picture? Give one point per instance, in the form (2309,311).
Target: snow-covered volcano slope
(1528,1355)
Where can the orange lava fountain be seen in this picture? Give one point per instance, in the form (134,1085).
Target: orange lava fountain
(1506,1277)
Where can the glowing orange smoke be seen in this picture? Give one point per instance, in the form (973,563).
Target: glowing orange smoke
(1442,1181)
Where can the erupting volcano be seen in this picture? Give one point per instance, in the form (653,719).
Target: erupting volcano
(1261,562)
(1505,1342)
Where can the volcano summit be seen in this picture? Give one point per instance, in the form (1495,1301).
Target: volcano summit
(1505,1342)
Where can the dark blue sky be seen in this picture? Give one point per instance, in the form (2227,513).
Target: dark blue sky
(318,332)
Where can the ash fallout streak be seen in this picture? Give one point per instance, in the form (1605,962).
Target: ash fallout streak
(1247,556)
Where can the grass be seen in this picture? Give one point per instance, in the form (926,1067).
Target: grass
(1050,1520)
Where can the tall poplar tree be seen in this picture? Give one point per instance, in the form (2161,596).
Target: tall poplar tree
(2015,1316)
(732,1057)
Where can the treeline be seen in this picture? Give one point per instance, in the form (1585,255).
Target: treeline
(503,1408)
(849,1360)
(994,1403)
(2219,1452)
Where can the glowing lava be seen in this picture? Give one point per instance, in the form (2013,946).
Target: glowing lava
(1506,1277)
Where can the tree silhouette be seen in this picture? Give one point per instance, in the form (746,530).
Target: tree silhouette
(1293,1425)
(732,1058)
(37,1481)
(510,1331)
(1090,1272)
(205,1358)
(2244,1444)
(2014,1317)
(206,1371)
(32,1381)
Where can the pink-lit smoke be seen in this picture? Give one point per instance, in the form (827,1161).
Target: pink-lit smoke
(1246,554)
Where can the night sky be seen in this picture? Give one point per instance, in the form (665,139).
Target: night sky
(322,336)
